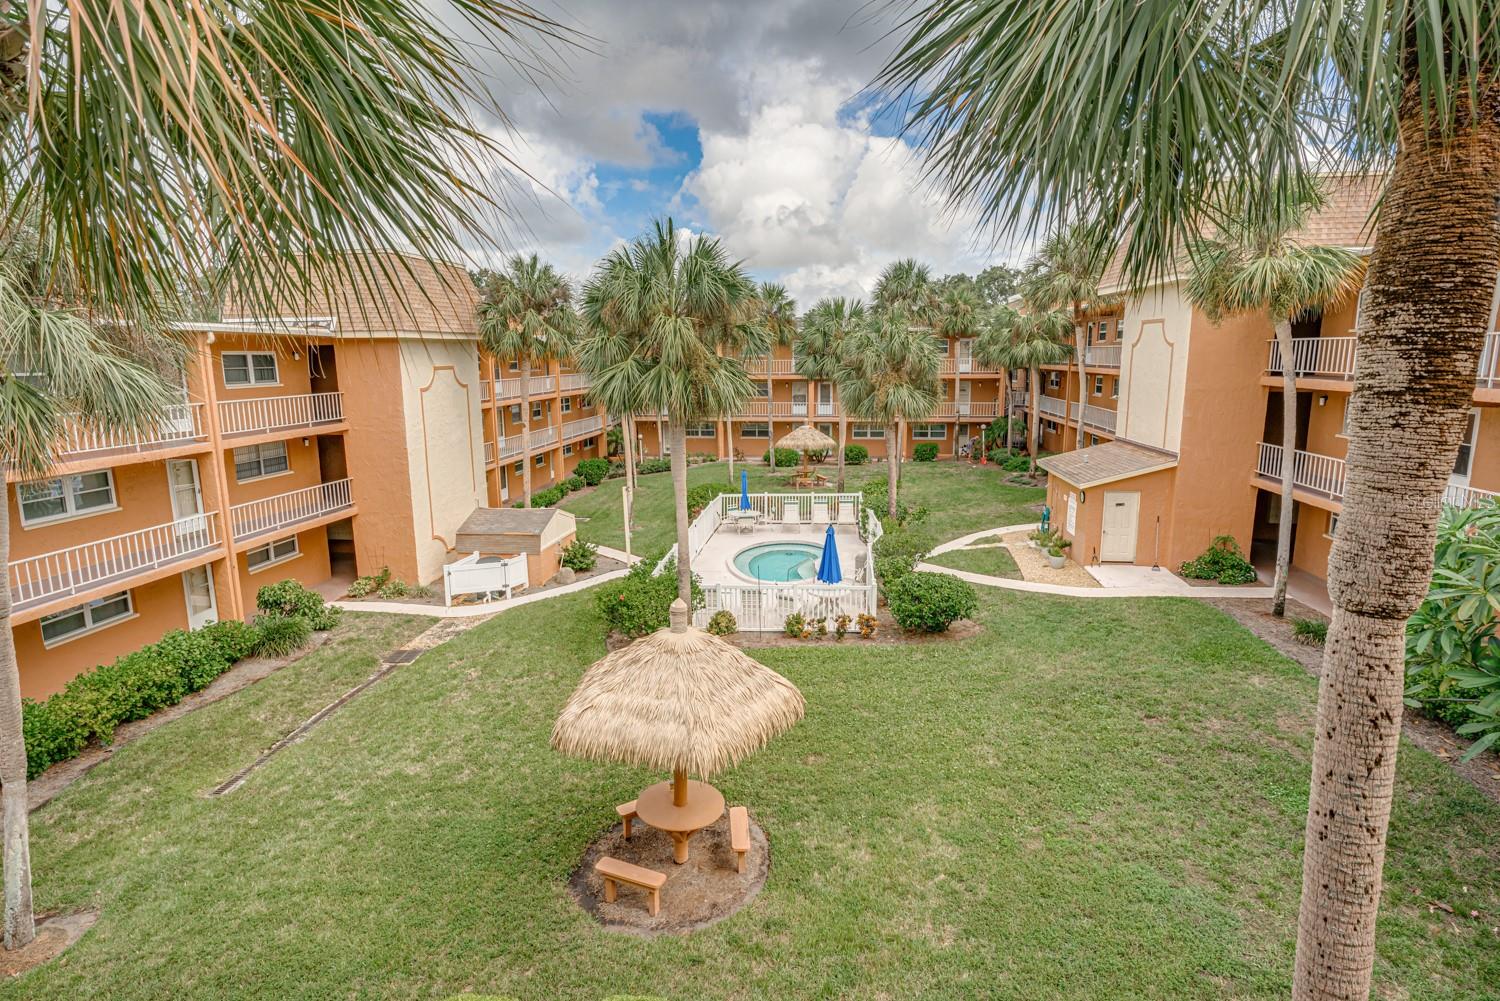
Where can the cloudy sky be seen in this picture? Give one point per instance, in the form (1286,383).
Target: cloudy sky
(741,119)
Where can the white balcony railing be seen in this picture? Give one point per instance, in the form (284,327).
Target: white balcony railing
(954,409)
(285,510)
(542,437)
(275,413)
(1101,418)
(181,423)
(485,391)
(1489,364)
(1102,355)
(507,389)
(511,446)
(756,367)
(826,409)
(1320,474)
(37,580)
(489,453)
(966,366)
(574,430)
(574,382)
(1317,357)
(1019,398)
(1052,406)
(1458,495)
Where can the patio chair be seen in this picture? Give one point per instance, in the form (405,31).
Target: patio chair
(820,512)
(791,513)
(847,513)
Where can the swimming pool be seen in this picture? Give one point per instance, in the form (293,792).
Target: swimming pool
(779,562)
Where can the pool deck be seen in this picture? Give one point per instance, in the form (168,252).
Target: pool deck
(714,561)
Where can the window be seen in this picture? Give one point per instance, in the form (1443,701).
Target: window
(1466,446)
(254,461)
(538,411)
(272,553)
(590,442)
(1090,335)
(762,390)
(566,405)
(928,432)
(1054,380)
(249,368)
(519,467)
(541,460)
(515,413)
(513,365)
(1098,385)
(703,430)
(941,343)
(1114,386)
(1093,440)
(567,450)
(1104,330)
(85,618)
(66,497)
(827,429)
(1052,427)
(755,430)
(866,431)
(1333,525)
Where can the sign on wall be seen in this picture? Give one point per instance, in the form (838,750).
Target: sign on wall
(1072,513)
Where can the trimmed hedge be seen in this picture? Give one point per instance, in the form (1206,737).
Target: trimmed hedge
(701,496)
(281,635)
(592,471)
(785,457)
(856,455)
(640,603)
(930,602)
(926,451)
(289,599)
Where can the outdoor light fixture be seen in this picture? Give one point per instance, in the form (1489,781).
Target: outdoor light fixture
(1323,400)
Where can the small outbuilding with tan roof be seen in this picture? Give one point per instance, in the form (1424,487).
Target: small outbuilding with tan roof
(1113,501)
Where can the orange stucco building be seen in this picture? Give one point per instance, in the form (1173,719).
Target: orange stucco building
(355,430)
(1184,442)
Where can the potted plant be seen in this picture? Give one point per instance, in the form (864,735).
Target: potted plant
(1040,539)
(1057,553)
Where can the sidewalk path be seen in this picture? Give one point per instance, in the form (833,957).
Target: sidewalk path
(1115,581)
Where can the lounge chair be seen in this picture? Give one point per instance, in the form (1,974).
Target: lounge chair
(847,513)
(820,512)
(791,513)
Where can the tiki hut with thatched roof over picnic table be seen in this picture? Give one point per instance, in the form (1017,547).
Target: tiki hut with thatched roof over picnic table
(806,438)
(680,701)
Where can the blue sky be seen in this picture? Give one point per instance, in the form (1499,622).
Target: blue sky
(749,122)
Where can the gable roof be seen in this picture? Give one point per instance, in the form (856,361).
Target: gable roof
(511,520)
(1100,464)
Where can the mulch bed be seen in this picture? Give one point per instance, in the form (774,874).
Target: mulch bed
(706,888)
(1435,736)
(887,634)
(54,934)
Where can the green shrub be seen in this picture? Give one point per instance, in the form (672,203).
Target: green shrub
(784,457)
(998,456)
(1018,463)
(592,471)
(544,498)
(580,556)
(235,639)
(640,602)
(1222,561)
(795,626)
(925,451)
(897,554)
(873,498)
(1313,632)
(370,583)
(281,635)
(572,483)
(856,455)
(648,466)
(723,623)
(196,656)
(289,599)
(930,602)
(701,496)
(395,587)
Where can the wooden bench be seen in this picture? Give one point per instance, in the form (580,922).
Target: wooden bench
(739,834)
(627,814)
(617,871)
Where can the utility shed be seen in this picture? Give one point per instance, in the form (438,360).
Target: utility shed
(540,533)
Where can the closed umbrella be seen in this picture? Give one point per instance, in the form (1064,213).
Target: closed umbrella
(828,566)
(744,490)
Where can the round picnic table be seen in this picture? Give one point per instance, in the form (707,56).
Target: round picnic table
(702,807)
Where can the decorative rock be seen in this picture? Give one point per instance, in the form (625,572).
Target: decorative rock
(566,576)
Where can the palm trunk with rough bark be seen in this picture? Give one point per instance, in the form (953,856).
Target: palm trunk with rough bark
(1034,434)
(729,439)
(1082,377)
(1004,410)
(843,428)
(20,926)
(679,499)
(1288,464)
(770,420)
(1429,296)
(890,472)
(526,429)
(627,440)
(900,451)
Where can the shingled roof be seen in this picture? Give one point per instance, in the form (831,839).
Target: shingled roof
(1114,460)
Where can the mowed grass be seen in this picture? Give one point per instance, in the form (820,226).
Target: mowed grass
(996,562)
(960,498)
(1087,800)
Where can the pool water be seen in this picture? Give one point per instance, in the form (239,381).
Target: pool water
(780,562)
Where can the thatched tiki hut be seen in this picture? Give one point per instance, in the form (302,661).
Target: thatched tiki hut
(806,438)
(680,701)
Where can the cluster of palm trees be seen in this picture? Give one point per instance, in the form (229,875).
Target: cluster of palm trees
(1204,110)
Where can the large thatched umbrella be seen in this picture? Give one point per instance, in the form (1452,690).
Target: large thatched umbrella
(806,438)
(680,700)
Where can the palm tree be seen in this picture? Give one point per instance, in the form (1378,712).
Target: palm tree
(527,314)
(1066,272)
(607,355)
(959,314)
(906,287)
(889,373)
(1027,339)
(826,329)
(1205,105)
(215,146)
(778,317)
(670,323)
(1256,266)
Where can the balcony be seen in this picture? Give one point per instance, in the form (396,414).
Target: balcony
(511,446)
(280,413)
(1102,356)
(966,366)
(542,437)
(489,454)
(507,390)
(181,424)
(1461,496)
(1322,475)
(1053,407)
(757,367)
(582,428)
(956,410)
(1334,357)
(297,507)
(114,562)
(574,382)
(1099,418)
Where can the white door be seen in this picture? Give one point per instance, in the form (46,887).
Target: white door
(187,498)
(1121,519)
(965,390)
(504,484)
(198,586)
(799,399)
(965,355)
(825,399)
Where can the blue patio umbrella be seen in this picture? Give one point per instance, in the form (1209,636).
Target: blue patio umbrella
(744,490)
(828,566)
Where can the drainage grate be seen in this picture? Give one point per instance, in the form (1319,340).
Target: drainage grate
(403,656)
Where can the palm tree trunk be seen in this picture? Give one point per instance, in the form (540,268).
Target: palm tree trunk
(729,439)
(679,498)
(1082,388)
(891,445)
(526,429)
(1004,409)
(1288,464)
(843,427)
(1034,434)
(20,925)
(626,437)
(900,450)
(1429,299)
(770,420)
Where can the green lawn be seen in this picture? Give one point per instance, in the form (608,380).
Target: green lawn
(1087,800)
(960,498)
(996,562)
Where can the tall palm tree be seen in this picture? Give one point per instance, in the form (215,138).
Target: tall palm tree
(778,318)
(905,288)
(826,330)
(958,314)
(1257,265)
(1027,339)
(671,323)
(1204,103)
(607,355)
(527,314)
(1066,271)
(888,373)
(214,145)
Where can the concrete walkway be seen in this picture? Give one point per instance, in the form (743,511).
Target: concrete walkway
(489,608)
(1116,580)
